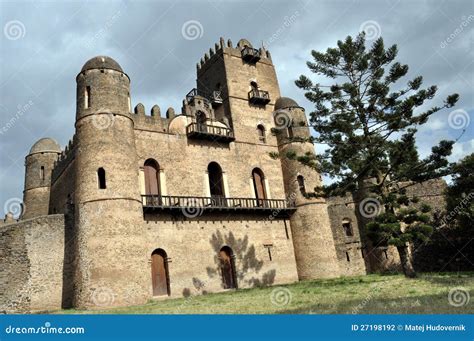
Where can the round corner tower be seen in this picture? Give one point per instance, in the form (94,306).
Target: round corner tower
(39,164)
(111,260)
(313,241)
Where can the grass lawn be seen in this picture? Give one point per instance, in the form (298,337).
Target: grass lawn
(385,294)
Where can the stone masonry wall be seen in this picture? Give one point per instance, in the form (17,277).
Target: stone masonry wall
(31,263)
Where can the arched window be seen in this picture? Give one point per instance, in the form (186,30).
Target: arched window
(227,266)
(101,178)
(87,97)
(301,185)
(254,86)
(159,273)
(290,131)
(347,226)
(259,186)
(216,183)
(152,177)
(201,121)
(261,133)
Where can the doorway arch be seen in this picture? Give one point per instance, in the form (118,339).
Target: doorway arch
(227,267)
(159,273)
(259,186)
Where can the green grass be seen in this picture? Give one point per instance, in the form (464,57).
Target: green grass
(384,294)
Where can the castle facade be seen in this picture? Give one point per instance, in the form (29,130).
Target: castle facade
(144,206)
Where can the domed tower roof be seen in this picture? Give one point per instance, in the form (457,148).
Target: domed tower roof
(102,62)
(285,103)
(45,145)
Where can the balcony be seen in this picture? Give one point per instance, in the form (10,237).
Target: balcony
(250,55)
(209,132)
(196,206)
(213,97)
(259,97)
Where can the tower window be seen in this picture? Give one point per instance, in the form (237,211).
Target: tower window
(42,173)
(87,97)
(347,256)
(301,185)
(290,132)
(101,178)
(254,86)
(385,253)
(347,226)
(261,133)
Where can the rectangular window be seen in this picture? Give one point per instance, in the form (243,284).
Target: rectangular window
(87,97)
(42,173)
(347,256)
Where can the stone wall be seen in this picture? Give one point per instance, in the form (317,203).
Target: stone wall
(31,263)
(350,251)
(193,245)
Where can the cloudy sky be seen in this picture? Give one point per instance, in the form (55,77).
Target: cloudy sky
(44,45)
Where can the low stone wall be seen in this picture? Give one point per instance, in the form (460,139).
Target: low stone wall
(31,264)
(350,253)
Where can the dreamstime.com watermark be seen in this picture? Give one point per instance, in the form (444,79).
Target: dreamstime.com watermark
(89,43)
(288,21)
(464,23)
(46,329)
(452,214)
(21,110)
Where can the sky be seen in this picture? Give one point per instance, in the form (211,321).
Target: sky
(43,45)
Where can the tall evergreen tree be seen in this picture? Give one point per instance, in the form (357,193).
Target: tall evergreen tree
(370,132)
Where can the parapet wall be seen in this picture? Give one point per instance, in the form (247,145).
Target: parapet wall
(31,264)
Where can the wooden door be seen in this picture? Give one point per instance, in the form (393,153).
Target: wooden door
(159,274)
(152,179)
(227,269)
(259,186)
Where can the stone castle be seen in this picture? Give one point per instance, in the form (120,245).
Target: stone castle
(143,206)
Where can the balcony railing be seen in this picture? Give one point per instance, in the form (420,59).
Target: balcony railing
(199,205)
(251,55)
(214,97)
(209,132)
(259,96)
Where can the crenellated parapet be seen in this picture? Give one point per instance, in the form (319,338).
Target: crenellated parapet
(65,158)
(243,49)
(154,121)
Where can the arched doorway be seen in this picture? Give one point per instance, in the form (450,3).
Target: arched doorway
(152,177)
(227,265)
(216,184)
(259,186)
(159,273)
(201,122)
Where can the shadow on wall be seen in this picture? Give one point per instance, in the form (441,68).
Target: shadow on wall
(245,261)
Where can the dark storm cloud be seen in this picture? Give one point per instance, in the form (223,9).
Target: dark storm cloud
(40,59)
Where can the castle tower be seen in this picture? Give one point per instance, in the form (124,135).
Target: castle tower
(110,256)
(246,83)
(39,164)
(313,241)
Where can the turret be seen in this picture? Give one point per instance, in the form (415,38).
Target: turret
(39,164)
(107,198)
(313,241)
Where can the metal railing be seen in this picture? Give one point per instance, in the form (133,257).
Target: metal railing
(215,97)
(250,54)
(205,129)
(259,96)
(216,202)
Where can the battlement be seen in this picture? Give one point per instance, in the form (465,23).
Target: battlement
(154,121)
(64,159)
(243,49)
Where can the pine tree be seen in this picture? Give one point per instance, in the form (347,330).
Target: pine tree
(370,132)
